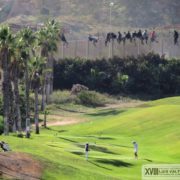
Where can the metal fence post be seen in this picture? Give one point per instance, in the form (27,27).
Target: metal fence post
(62,50)
(87,50)
(75,49)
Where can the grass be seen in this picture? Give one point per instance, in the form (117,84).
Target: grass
(110,133)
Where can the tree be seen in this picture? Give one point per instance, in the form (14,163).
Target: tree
(5,42)
(36,85)
(15,70)
(26,41)
(37,67)
(48,38)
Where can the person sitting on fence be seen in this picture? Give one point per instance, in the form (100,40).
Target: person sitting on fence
(128,36)
(145,36)
(134,36)
(94,39)
(139,35)
(110,36)
(4,146)
(63,39)
(124,38)
(176,36)
(119,39)
(153,37)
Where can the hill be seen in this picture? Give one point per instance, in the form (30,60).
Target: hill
(83,16)
(110,133)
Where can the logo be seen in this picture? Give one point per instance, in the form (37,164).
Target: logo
(161,172)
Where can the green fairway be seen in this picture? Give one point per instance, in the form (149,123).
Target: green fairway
(110,132)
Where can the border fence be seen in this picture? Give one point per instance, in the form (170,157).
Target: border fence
(86,49)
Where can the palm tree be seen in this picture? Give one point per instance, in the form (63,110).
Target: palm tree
(26,41)
(48,38)
(36,66)
(15,70)
(5,42)
(36,85)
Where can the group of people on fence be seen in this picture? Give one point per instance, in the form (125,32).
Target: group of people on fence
(143,36)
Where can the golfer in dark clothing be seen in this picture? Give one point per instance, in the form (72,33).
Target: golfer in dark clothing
(86,150)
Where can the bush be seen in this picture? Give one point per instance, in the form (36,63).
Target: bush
(62,97)
(146,74)
(91,98)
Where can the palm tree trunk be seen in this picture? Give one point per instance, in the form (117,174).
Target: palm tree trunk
(47,86)
(17,103)
(43,102)
(44,54)
(27,98)
(52,74)
(36,116)
(49,77)
(51,82)
(5,90)
(45,119)
(12,116)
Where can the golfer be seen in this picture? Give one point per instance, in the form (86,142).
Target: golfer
(135,149)
(86,150)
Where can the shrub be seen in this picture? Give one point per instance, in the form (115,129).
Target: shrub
(91,98)
(143,75)
(62,97)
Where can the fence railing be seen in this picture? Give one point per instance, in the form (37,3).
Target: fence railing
(86,49)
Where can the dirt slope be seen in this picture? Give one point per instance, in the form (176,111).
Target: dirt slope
(19,166)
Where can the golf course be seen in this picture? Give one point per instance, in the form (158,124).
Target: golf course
(110,131)
(89,90)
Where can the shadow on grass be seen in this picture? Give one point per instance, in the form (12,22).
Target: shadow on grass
(78,153)
(70,110)
(107,113)
(54,146)
(114,162)
(102,138)
(98,148)
(148,160)
(122,146)
(66,139)
(61,131)
(58,131)
(98,165)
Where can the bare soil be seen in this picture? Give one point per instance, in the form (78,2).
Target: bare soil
(19,166)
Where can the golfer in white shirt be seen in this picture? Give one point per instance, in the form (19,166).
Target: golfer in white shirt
(135,149)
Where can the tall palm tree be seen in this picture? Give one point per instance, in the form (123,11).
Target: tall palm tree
(48,37)
(37,67)
(25,43)
(5,43)
(15,70)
